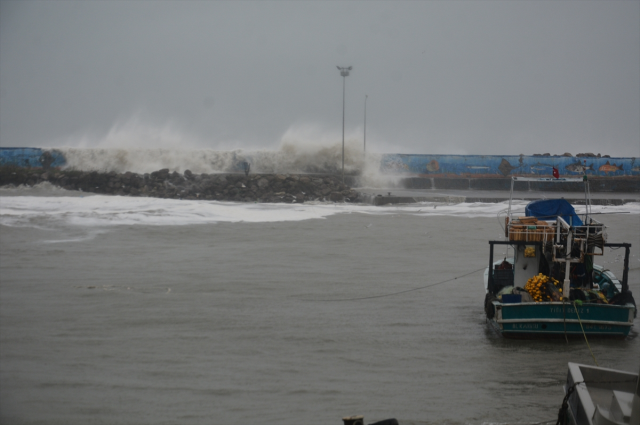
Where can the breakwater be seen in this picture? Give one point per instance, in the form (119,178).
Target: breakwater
(288,188)
(390,171)
(596,184)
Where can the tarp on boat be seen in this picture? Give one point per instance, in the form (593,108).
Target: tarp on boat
(549,209)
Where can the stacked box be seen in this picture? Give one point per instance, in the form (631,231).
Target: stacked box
(521,230)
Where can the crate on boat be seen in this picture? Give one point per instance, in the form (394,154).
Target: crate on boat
(529,233)
(511,298)
(528,220)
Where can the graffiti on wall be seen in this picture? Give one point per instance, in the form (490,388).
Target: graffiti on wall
(411,165)
(32,157)
(497,166)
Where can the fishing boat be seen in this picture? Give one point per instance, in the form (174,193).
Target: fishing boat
(550,286)
(600,396)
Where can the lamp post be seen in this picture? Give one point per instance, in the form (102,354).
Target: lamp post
(344,72)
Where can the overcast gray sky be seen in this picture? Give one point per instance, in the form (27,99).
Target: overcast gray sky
(459,77)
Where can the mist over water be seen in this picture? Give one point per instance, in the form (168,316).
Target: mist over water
(289,159)
(138,147)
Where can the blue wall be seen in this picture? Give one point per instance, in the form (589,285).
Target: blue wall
(496,166)
(416,165)
(32,157)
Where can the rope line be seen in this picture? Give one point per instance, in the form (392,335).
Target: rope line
(407,290)
(575,306)
(564,320)
(562,413)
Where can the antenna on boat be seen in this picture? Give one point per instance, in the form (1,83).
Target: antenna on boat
(513,179)
(587,195)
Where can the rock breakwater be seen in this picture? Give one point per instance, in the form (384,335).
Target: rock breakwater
(288,188)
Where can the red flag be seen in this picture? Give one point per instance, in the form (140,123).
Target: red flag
(556,173)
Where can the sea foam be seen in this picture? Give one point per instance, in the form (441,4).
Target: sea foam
(99,211)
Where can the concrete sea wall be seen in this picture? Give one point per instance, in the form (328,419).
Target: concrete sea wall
(596,184)
(492,166)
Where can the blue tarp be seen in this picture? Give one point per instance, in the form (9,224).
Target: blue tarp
(549,209)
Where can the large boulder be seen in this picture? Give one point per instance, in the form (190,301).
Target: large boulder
(336,197)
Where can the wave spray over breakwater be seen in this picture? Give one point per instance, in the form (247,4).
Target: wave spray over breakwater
(139,148)
(289,159)
(122,163)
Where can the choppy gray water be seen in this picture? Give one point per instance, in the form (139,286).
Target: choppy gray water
(226,323)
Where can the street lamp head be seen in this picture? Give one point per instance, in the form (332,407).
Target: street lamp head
(344,71)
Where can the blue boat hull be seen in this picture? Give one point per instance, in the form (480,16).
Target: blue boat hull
(547,319)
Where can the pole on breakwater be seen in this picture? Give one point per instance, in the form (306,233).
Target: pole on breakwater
(344,72)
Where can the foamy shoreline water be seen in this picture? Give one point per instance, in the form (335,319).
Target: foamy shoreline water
(22,206)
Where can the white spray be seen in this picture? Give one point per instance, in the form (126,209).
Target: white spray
(140,148)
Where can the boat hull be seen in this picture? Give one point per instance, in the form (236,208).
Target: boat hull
(597,395)
(548,319)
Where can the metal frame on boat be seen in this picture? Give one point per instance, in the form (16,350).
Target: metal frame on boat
(556,250)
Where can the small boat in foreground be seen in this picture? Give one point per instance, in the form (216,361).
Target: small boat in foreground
(550,286)
(600,396)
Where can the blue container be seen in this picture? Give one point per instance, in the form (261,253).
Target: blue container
(511,298)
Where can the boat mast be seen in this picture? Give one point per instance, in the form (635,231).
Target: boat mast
(513,179)
(587,196)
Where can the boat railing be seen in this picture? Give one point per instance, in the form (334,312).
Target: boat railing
(590,237)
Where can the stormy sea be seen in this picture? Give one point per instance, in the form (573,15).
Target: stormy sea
(133,310)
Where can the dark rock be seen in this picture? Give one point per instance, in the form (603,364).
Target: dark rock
(166,184)
(336,197)
(160,174)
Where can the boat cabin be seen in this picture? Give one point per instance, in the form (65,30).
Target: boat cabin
(552,240)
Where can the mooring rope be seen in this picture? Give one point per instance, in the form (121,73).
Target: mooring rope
(564,320)
(562,413)
(407,290)
(575,306)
